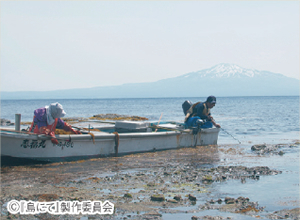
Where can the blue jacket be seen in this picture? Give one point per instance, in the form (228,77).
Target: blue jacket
(201,111)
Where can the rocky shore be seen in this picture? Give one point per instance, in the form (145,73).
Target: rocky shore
(151,185)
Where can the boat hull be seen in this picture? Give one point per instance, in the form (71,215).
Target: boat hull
(74,147)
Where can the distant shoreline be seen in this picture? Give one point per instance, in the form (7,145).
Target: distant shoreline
(183,97)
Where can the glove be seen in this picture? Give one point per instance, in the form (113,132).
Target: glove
(53,139)
(45,130)
(68,127)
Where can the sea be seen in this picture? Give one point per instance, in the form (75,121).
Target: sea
(245,121)
(263,119)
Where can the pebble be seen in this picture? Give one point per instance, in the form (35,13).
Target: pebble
(172,201)
(192,198)
(158,197)
(229,200)
(258,147)
(177,197)
(127,195)
(281,153)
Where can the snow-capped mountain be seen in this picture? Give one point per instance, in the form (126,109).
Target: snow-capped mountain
(220,80)
(225,70)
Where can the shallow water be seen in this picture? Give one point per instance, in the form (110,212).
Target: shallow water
(250,120)
(180,216)
(274,191)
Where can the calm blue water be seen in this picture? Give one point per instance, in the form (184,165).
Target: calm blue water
(270,120)
(248,119)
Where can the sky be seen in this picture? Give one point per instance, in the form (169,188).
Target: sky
(53,45)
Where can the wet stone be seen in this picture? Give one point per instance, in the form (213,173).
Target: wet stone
(172,201)
(158,197)
(242,200)
(192,198)
(212,201)
(177,197)
(229,200)
(127,195)
(258,147)
(281,153)
(219,201)
(271,149)
(208,179)
(285,214)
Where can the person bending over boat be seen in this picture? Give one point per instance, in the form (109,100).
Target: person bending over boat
(47,119)
(199,114)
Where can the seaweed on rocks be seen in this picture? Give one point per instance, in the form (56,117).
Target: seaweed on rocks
(263,149)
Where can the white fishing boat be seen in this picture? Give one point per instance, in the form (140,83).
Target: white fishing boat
(124,137)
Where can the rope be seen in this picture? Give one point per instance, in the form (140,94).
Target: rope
(93,137)
(117,140)
(230,135)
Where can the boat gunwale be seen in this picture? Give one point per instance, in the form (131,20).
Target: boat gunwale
(97,135)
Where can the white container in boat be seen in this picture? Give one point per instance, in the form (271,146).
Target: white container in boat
(132,126)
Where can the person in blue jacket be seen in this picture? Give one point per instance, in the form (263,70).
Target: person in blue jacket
(199,114)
